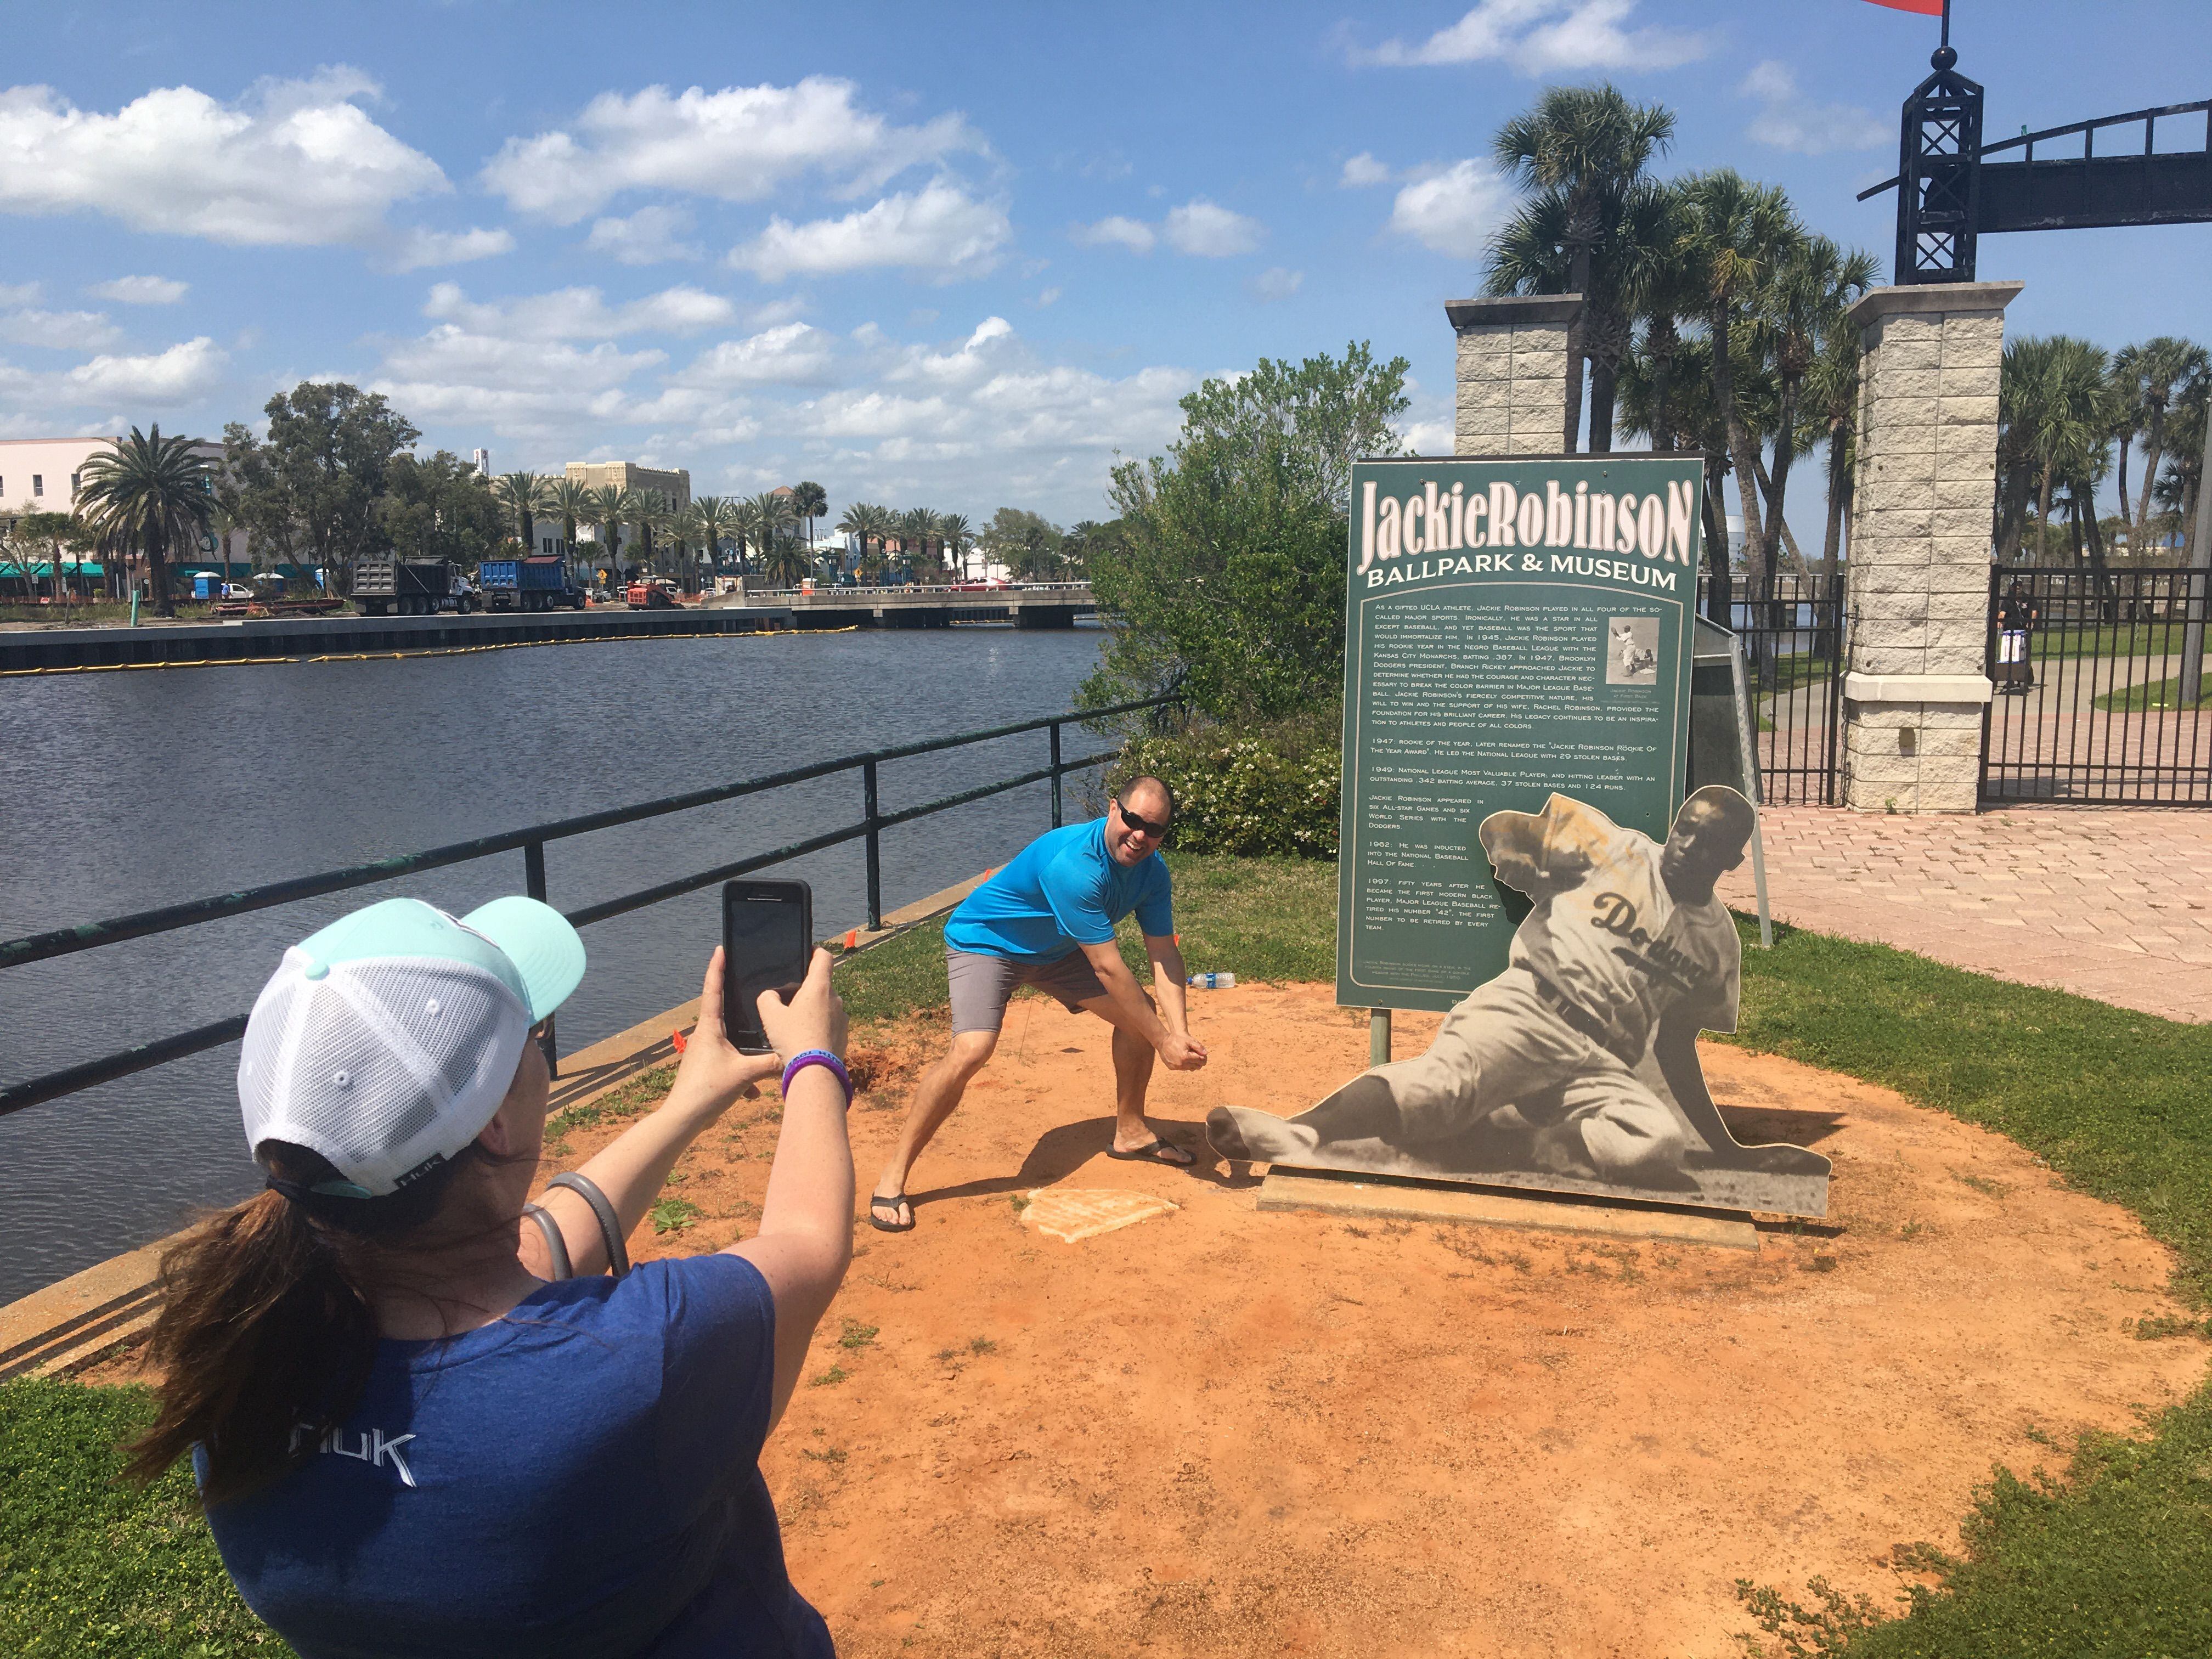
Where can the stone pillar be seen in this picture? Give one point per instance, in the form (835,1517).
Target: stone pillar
(1917,584)
(1512,373)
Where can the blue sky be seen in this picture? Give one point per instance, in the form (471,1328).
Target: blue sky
(955,255)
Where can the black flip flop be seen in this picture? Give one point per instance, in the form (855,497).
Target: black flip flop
(877,1201)
(1160,1151)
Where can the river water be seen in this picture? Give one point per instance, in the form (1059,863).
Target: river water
(119,792)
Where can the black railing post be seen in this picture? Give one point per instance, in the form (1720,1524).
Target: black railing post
(1056,775)
(872,810)
(533,878)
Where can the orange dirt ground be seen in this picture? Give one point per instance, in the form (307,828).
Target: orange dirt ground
(1224,1431)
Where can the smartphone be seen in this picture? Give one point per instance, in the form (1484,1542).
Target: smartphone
(768,932)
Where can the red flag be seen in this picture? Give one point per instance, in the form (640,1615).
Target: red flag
(1925,8)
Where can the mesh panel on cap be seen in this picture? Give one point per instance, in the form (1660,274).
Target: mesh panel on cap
(264,1051)
(382,1104)
(456,1039)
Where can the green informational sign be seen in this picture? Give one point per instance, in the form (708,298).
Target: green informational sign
(1512,628)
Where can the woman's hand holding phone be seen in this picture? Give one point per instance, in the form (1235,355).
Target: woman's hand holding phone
(712,1066)
(812,1017)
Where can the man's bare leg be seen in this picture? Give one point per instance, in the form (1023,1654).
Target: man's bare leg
(1132,1075)
(934,1100)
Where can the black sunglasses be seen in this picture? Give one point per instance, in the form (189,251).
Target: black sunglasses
(1141,826)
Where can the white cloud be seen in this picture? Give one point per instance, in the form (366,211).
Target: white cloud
(1453,209)
(1198,226)
(184,374)
(940,230)
(1548,37)
(1789,121)
(1362,170)
(1116,231)
(1210,232)
(414,249)
(142,290)
(294,163)
(63,330)
(794,354)
(1277,283)
(648,237)
(574,313)
(1046,297)
(453,356)
(20,294)
(739,144)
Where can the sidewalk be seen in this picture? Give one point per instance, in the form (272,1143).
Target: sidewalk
(2111,903)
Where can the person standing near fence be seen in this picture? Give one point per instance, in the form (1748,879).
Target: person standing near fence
(2016,620)
(1048,919)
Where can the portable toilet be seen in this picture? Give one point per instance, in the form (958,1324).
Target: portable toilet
(202,585)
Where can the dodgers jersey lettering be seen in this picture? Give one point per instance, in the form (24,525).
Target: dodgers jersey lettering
(1616,943)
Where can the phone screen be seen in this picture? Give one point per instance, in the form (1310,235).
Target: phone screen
(765,943)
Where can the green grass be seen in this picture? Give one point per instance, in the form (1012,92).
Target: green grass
(89,1570)
(2153,695)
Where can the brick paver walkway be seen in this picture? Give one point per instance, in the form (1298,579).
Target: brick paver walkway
(2114,904)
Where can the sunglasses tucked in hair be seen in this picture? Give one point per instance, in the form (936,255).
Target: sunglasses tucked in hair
(1142,826)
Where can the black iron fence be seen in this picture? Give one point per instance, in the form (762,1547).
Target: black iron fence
(1792,638)
(531,842)
(2099,687)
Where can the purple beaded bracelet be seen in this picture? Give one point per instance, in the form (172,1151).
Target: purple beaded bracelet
(828,1061)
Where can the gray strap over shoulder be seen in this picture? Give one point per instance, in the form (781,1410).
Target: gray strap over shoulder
(610,1225)
(556,1246)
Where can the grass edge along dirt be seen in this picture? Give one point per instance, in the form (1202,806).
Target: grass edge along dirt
(2112,1556)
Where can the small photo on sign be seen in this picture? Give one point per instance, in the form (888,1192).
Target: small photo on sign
(1631,651)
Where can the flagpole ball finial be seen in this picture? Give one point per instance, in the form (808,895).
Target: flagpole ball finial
(1943,57)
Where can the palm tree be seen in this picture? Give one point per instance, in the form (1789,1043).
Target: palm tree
(956,536)
(151,491)
(863,521)
(525,494)
(773,519)
(784,562)
(810,501)
(704,524)
(914,528)
(727,527)
(604,510)
(661,522)
(570,498)
(1735,232)
(2056,414)
(1590,144)
(2147,375)
(744,519)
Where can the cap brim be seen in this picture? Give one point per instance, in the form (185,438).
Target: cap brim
(539,940)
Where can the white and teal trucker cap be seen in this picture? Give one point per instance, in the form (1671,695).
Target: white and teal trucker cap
(386,1040)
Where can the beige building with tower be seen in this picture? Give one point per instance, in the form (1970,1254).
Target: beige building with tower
(675,485)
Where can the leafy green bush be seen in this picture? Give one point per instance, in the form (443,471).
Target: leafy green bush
(1273,790)
(92,1569)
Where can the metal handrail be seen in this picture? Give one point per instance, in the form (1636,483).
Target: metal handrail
(2149,117)
(531,841)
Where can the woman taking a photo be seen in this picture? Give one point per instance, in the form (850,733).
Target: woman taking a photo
(414,1433)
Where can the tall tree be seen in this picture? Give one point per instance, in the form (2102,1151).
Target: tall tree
(150,492)
(956,536)
(810,501)
(440,507)
(318,473)
(1735,232)
(2152,372)
(1228,580)
(1591,145)
(525,494)
(773,518)
(917,528)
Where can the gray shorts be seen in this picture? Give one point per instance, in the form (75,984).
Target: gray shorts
(982,985)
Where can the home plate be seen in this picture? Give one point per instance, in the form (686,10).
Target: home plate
(1073,1213)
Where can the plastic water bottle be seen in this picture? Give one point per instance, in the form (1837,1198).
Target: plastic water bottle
(1212,981)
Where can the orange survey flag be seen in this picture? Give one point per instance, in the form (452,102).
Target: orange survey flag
(1925,8)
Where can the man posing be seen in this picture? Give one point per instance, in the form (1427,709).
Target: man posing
(1046,920)
(1627,948)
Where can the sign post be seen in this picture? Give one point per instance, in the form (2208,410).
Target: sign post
(1513,628)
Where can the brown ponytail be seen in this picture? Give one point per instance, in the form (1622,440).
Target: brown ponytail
(267,1327)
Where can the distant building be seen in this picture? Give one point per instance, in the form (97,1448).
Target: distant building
(629,475)
(483,459)
(45,475)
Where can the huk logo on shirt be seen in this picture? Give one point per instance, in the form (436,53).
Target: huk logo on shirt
(369,1446)
(1616,914)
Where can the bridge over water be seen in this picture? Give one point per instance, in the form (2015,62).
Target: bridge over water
(1041,604)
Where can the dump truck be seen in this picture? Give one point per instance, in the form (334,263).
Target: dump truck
(537,583)
(410,587)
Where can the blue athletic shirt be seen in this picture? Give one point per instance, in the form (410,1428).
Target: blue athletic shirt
(577,1480)
(1062,890)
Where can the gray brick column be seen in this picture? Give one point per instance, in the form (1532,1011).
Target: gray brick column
(1512,373)
(1918,579)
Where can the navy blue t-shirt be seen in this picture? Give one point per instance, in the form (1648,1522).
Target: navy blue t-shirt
(578,1480)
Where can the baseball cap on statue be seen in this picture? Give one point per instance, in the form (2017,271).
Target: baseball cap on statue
(386,1040)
